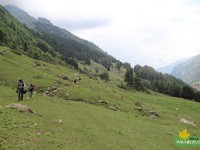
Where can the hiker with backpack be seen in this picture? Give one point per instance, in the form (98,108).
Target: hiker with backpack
(21,89)
(31,88)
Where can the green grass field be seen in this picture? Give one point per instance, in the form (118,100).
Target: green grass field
(72,117)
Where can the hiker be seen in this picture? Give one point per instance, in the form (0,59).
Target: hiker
(31,88)
(20,89)
(75,81)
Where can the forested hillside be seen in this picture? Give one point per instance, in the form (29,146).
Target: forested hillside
(146,77)
(22,15)
(67,44)
(22,40)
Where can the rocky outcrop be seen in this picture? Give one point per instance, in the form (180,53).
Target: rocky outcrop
(146,110)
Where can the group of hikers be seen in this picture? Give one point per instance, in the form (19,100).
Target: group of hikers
(21,89)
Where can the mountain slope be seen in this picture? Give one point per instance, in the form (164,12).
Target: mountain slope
(188,71)
(81,54)
(90,115)
(168,69)
(67,44)
(21,15)
(23,40)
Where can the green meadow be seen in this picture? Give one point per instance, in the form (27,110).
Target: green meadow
(90,115)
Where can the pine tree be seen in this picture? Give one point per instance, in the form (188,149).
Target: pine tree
(129,76)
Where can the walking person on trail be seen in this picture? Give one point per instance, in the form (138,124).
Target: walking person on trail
(31,88)
(20,89)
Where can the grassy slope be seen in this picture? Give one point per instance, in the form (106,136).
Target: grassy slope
(84,125)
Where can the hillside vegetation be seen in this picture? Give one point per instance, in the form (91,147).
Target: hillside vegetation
(54,42)
(22,40)
(91,114)
(64,42)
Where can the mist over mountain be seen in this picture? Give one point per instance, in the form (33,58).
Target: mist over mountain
(168,69)
(45,21)
(21,15)
(188,71)
(67,44)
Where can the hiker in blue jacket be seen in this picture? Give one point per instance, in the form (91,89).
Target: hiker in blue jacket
(20,89)
(31,88)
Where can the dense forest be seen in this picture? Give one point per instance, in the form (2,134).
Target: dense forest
(141,78)
(22,39)
(71,46)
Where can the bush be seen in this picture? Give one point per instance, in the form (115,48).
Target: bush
(18,52)
(104,76)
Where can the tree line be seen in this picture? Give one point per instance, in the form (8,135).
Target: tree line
(145,77)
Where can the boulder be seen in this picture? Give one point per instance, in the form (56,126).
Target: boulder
(62,77)
(20,107)
(154,113)
(153,117)
(102,102)
(112,108)
(185,121)
(52,92)
(2,52)
(139,104)
(59,121)
(139,108)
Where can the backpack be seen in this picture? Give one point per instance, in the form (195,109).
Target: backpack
(20,84)
(31,88)
(24,91)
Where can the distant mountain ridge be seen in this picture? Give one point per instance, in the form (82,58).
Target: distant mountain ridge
(67,44)
(188,71)
(168,69)
(21,15)
(44,20)
(23,40)
(24,17)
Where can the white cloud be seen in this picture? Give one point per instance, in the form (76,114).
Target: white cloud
(151,32)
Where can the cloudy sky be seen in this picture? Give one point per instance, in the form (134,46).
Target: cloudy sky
(145,32)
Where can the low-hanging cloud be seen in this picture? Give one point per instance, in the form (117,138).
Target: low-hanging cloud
(83,24)
(5,2)
(154,32)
